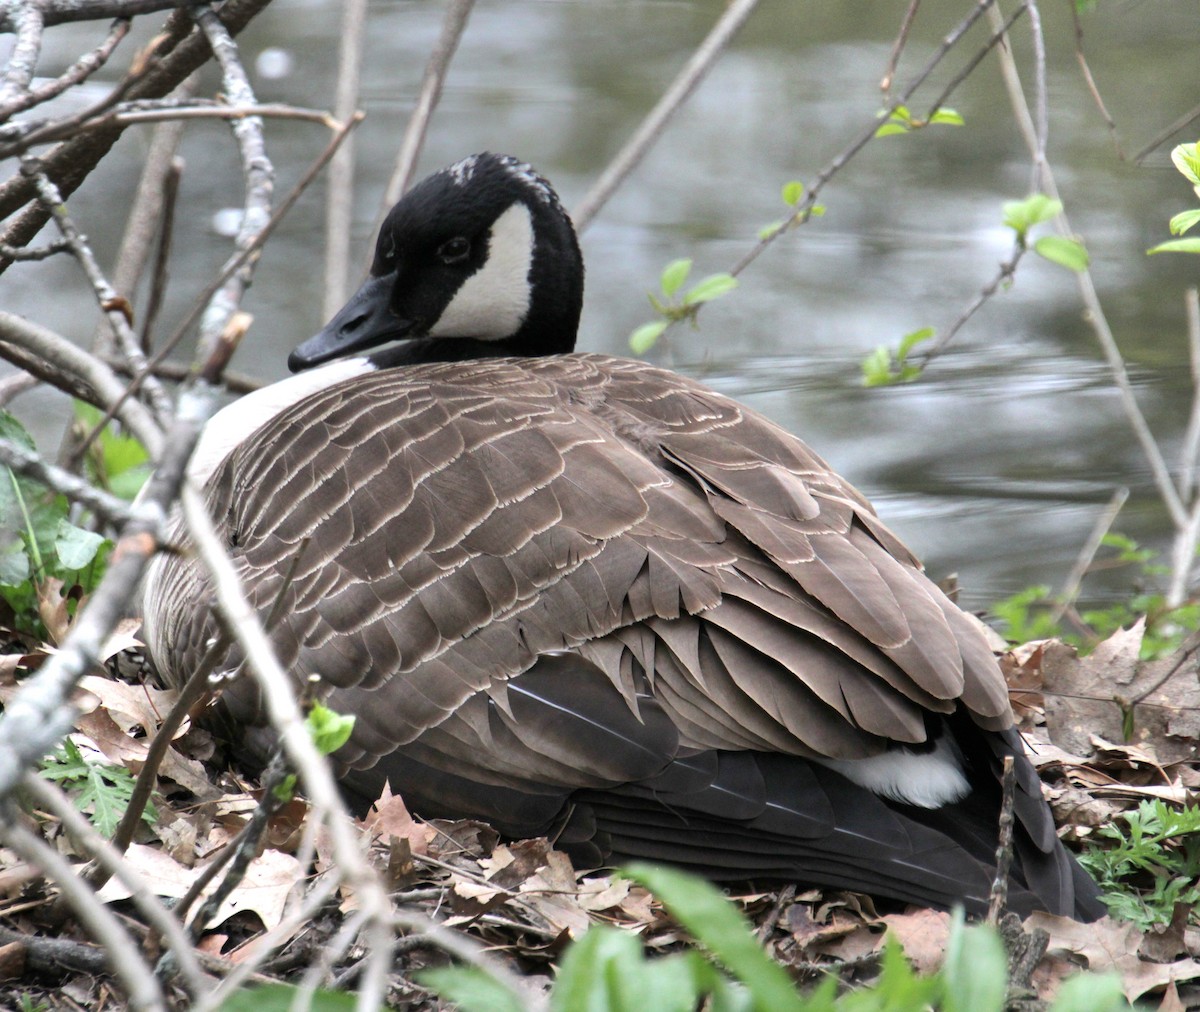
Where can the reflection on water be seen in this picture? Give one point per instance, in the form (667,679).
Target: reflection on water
(997,464)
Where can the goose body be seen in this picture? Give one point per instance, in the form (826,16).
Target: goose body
(582,596)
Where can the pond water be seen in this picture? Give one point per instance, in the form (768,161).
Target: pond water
(996,464)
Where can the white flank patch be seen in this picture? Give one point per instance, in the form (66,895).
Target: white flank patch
(494,301)
(234,424)
(926,779)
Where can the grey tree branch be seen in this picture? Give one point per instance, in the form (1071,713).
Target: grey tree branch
(112,510)
(284,712)
(257,168)
(77,73)
(57,12)
(141,987)
(114,307)
(651,128)
(53,358)
(453,26)
(54,801)
(339,192)
(29,24)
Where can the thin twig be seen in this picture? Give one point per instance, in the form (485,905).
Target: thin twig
(1189,455)
(1041,109)
(339,190)
(889,73)
(23,60)
(162,256)
(114,511)
(256,167)
(1091,83)
(998,899)
(149,210)
(57,361)
(141,987)
(453,25)
(838,162)
(1093,311)
(1182,123)
(1087,553)
(284,712)
(77,73)
(114,306)
(54,801)
(651,128)
(58,12)
(1003,274)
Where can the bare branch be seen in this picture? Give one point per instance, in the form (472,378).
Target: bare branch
(115,307)
(77,73)
(53,358)
(651,128)
(889,73)
(123,956)
(1093,311)
(57,12)
(54,801)
(284,712)
(115,512)
(174,57)
(339,191)
(1091,546)
(23,61)
(453,26)
(256,166)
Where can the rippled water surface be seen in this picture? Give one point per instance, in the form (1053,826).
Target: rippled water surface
(995,465)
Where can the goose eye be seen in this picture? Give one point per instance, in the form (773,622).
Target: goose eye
(454,250)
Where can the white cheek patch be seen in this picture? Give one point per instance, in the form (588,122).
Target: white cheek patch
(234,424)
(494,301)
(927,779)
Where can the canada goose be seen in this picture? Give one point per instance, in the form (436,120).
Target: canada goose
(582,596)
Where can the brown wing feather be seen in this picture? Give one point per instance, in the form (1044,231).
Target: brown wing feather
(459,521)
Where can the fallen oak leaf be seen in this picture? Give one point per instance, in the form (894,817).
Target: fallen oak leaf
(1106,944)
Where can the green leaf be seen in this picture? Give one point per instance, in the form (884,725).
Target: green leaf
(280,998)
(720,928)
(1177,246)
(674,275)
(890,128)
(711,287)
(644,338)
(792,192)
(75,547)
(769,230)
(1183,221)
(975,970)
(910,341)
(1022,215)
(1058,249)
(950,117)
(468,988)
(330,730)
(1187,160)
(877,367)
(599,972)
(1090,992)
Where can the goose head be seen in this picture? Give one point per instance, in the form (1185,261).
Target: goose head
(477,260)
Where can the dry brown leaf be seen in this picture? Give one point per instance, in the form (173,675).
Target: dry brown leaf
(132,706)
(390,818)
(114,743)
(638,906)
(923,934)
(264,890)
(1162,943)
(1022,667)
(1171,1001)
(1080,697)
(1105,944)
(603,893)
